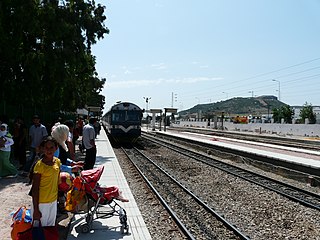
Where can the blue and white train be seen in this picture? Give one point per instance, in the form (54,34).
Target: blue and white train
(123,122)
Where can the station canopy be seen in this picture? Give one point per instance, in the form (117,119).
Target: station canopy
(171,110)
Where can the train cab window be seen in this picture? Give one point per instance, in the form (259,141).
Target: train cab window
(133,116)
(118,116)
(115,117)
(123,116)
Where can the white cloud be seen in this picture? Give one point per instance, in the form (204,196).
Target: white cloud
(204,66)
(140,83)
(159,66)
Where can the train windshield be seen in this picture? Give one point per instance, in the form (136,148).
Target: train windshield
(123,116)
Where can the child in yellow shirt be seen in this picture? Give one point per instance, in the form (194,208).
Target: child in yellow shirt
(45,181)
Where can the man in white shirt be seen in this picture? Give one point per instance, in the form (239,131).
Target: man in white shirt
(37,132)
(88,140)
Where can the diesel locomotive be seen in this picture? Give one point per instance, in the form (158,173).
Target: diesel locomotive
(123,122)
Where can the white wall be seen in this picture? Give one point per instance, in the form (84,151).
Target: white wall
(311,130)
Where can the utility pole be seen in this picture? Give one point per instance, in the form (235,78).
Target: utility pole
(173,99)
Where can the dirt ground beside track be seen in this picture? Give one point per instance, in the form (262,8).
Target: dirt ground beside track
(14,194)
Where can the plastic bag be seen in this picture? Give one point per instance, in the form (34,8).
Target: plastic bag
(18,214)
(21,221)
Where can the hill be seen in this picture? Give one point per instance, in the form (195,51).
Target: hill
(255,106)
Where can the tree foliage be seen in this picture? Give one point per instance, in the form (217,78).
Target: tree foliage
(45,53)
(285,112)
(307,112)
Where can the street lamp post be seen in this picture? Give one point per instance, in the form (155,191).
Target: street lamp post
(251,93)
(279,87)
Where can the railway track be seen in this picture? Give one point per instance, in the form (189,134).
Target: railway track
(195,218)
(303,172)
(293,193)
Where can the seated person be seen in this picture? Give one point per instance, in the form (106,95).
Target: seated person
(60,133)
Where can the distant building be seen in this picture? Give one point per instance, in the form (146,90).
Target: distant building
(268,97)
(297,110)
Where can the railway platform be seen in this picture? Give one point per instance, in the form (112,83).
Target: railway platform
(110,228)
(311,159)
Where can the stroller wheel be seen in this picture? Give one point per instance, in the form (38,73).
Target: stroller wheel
(85,228)
(124,229)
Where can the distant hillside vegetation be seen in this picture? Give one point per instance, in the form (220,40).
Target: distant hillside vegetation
(237,106)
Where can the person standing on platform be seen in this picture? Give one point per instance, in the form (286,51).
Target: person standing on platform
(97,128)
(6,141)
(45,180)
(88,139)
(37,133)
(20,139)
(79,125)
(70,142)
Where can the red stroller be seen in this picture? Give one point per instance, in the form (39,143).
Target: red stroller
(101,200)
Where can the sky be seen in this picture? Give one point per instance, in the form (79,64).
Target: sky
(180,53)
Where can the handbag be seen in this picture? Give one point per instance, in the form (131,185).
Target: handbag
(45,232)
(26,235)
(20,222)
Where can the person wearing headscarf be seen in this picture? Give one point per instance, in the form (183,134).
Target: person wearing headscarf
(60,133)
(6,167)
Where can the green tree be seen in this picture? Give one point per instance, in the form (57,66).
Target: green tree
(45,53)
(285,112)
(307,112)
(276,115)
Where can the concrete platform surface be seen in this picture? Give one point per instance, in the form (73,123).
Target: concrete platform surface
(110,228)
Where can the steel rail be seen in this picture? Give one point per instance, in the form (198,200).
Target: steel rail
(305,169)
(249,176)
(163,202)
(220,218)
